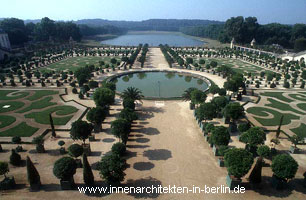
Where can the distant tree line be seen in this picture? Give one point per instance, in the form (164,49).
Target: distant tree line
(19,32)
(89,30)
(245,29)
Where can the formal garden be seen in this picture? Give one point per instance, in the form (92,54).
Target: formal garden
(251,132)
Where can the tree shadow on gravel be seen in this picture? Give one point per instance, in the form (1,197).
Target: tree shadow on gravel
(143,166)
(148,131)
(158,154)
(144,182)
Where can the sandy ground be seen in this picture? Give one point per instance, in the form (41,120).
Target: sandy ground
(166,147)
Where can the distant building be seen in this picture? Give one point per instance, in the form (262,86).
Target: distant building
(294,56)
(5,45)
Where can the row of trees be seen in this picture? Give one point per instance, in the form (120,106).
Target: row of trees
(245,29)
(19,32)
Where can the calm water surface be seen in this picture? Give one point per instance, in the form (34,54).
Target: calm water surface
(153,39)
(159,84)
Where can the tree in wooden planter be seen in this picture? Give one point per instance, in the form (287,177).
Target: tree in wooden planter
(96,116)
(15,158)
(238,162)
(80,130)
(64,169)
(88,176)
(119,148)
(264,152)
(112,168)
(128,114)
(17,140)
(33,175)
(221,152)
(252,138)
(8,182)
(220,102)
(128,103)
(284,168)
(104,97)
(39,141)
(220,136)
(76,150)
(121,128)
(295,140)
(198,97)
(233,111)
(62,150)
(206,111)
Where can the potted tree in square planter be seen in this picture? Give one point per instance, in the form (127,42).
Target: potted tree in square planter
(221,151)
(64,169)
(17,140)
(62,150)
(238,162)
(81,130)
(233,111)
(284,168)
(76,150)
(96,116)
(8,182)
(219,137)
(295,139)
(39,141)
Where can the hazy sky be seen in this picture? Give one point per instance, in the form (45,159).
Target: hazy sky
(267,11)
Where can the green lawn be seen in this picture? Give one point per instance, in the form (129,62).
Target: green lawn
(282,106)
(6,120)
(41,93)
(17,95)
(302,106)
(40,104)
(43,116)
(299,97)
(278,95)
(22,130)
(14,105)
(300,130)
(261,111)
(74,63)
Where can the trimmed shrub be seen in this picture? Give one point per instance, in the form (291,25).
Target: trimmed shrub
(119,148)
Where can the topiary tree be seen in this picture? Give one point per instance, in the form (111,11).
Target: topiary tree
(61,143)
(284,167)
(104,97)
(198,97)
(15,158)
(112,168)
(263,151)
(220,136)
(80,130)
(75,150)
(121,129)
(253,137)
(96,116)
(52,125)
(206,111)
(39,141)
(128,114)
(220,102)
(119,148)
(64,169)
(233,111)
(238,162)
(88,176)
(187,94)
(4,168)
(243,127)
(128,103)
(33,175)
